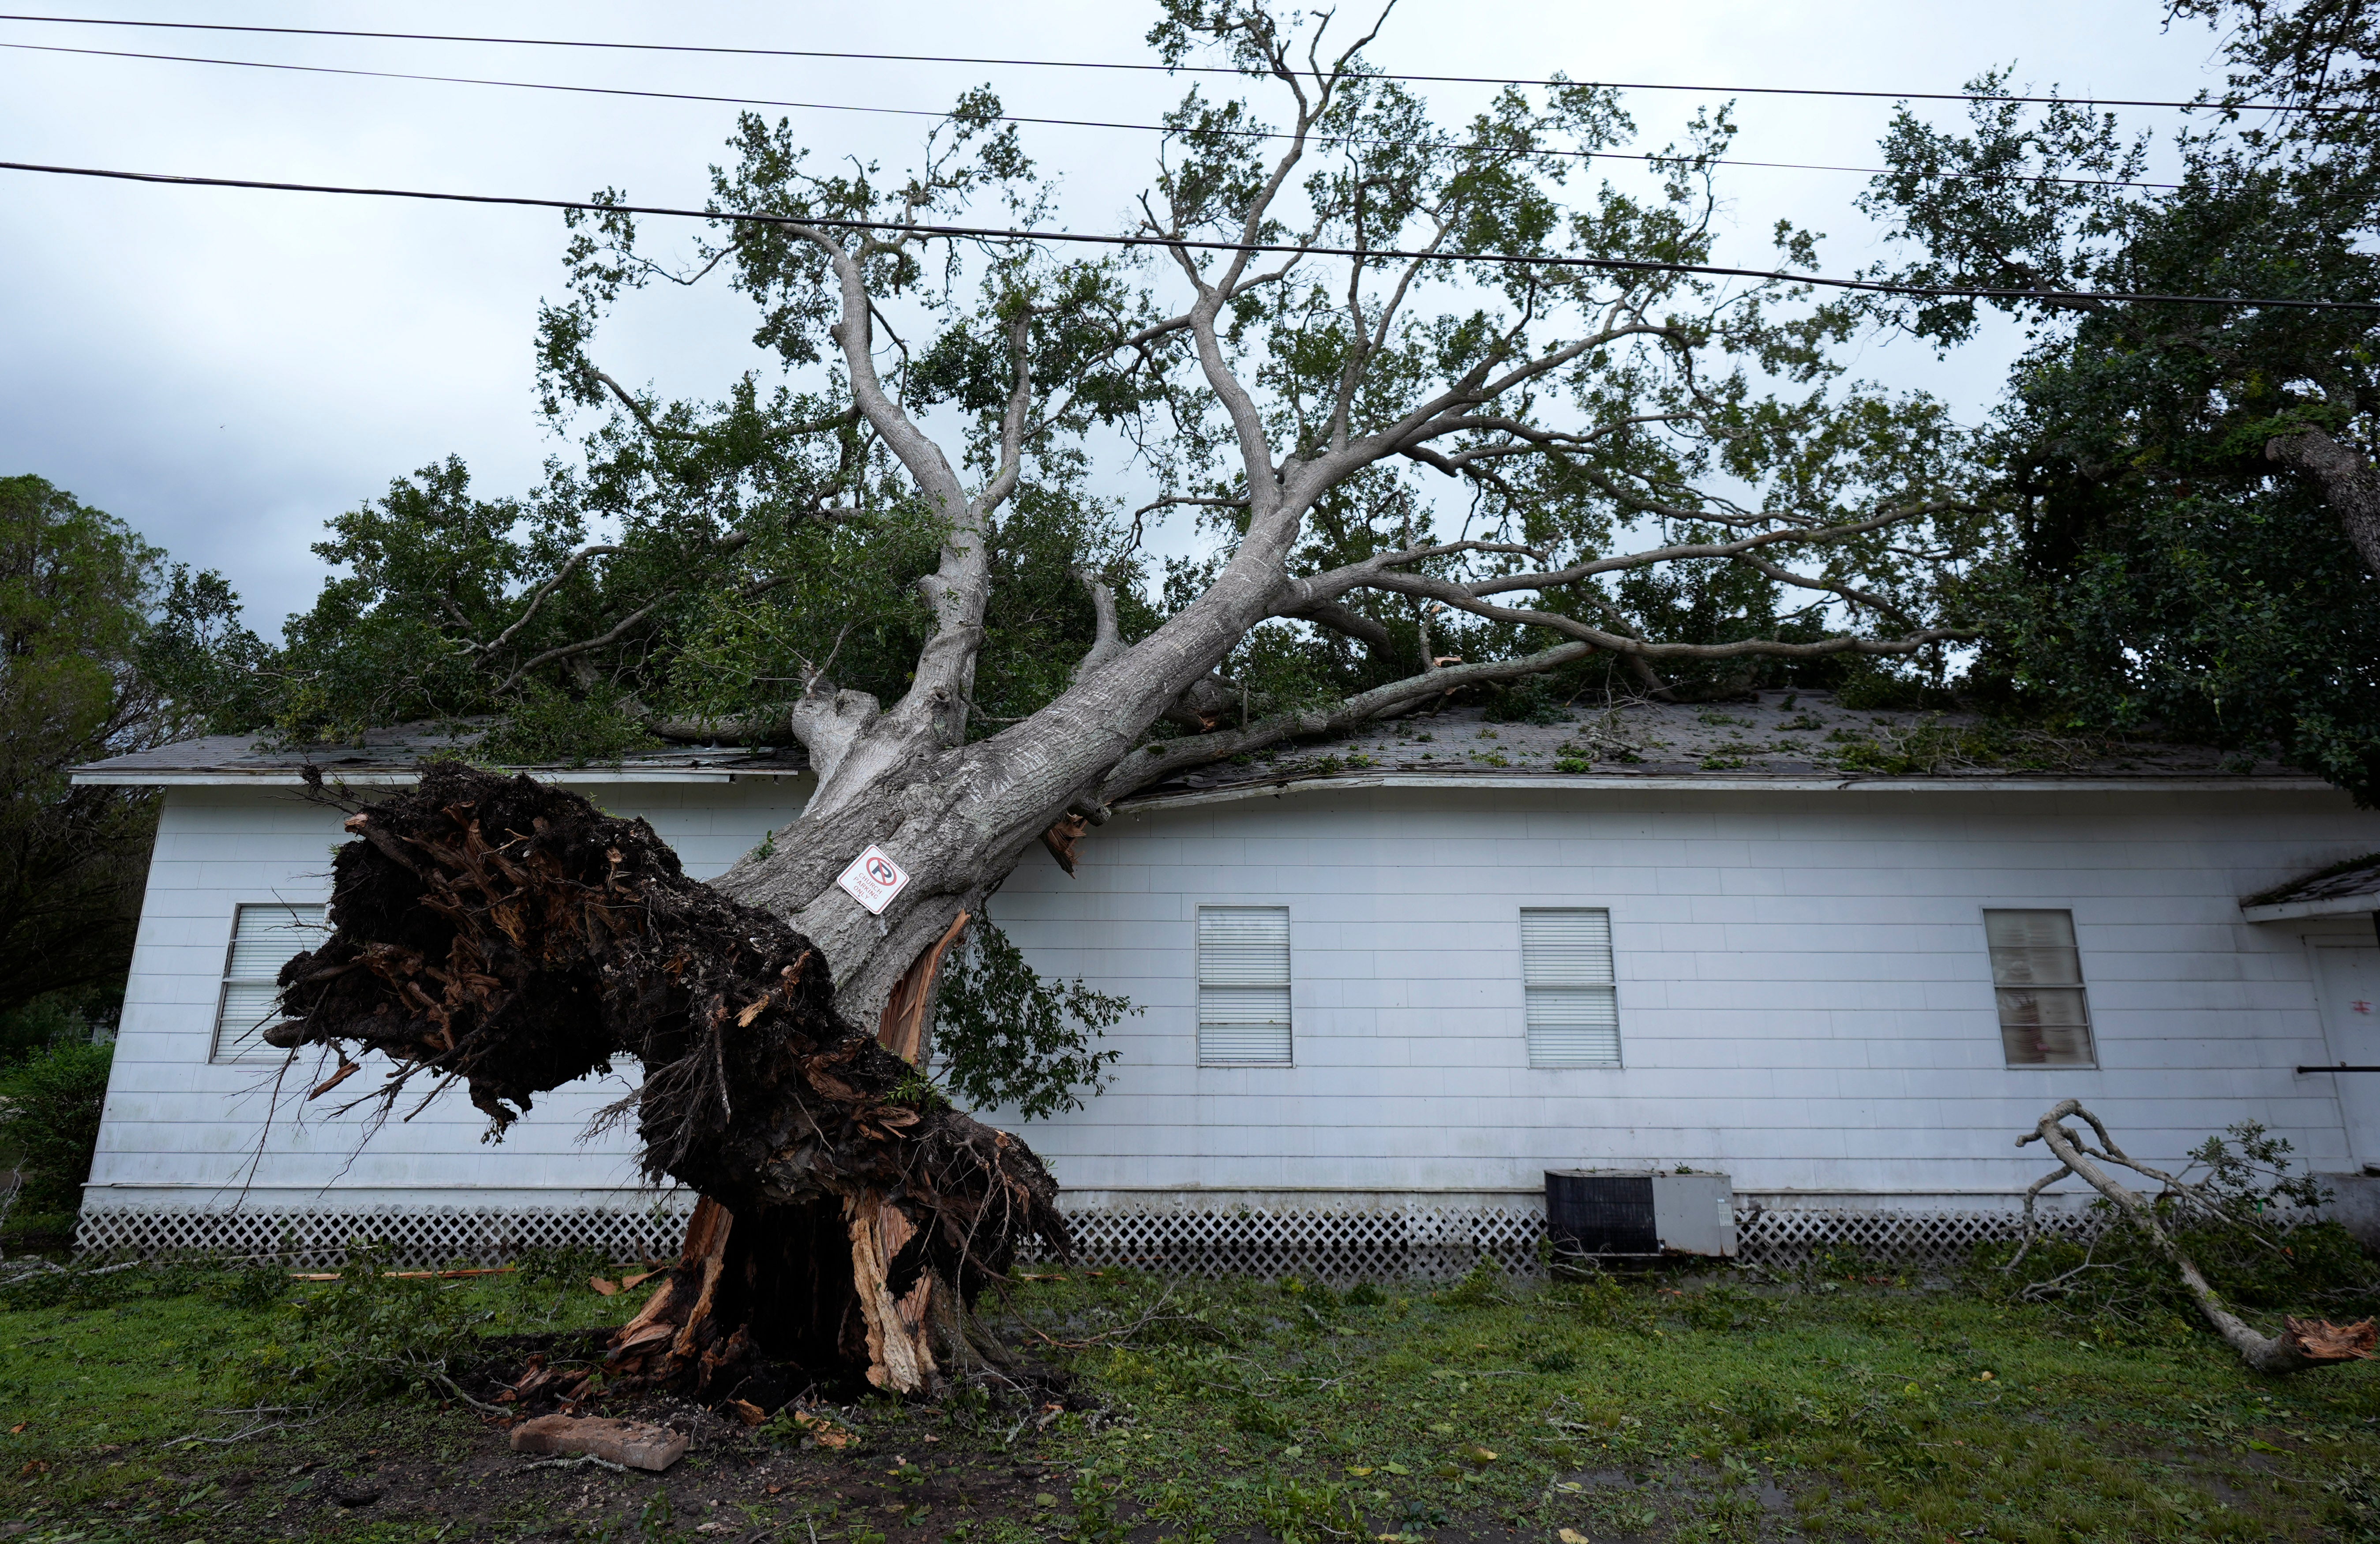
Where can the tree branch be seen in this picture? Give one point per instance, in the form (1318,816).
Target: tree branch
(1154,762)
(2299,1345)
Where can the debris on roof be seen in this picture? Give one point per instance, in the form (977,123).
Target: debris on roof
(2343,889)
(393,754)
(1772,735)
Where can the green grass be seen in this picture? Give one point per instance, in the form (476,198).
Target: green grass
(1718,1412)
(1727,1409)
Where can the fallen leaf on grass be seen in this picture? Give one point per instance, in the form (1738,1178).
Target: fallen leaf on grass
(1477,1453)
(1045,1499)
(1030,1276)
(605,1287)
(1572,1536)
(1356,1472)
(38,1466)
(18,1429)
(1395,1469)
(822,1431)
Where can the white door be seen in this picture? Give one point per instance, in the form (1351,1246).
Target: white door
(2350,1005)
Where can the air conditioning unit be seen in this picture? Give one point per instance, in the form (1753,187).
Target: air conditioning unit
(1639,1212)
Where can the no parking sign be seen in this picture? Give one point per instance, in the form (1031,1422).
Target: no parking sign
(873,879)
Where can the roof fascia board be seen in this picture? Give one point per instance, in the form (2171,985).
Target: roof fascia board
(2328,905)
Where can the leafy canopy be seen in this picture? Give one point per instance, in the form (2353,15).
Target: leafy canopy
(2171,564)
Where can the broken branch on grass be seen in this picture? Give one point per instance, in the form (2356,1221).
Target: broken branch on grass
(2302,1345)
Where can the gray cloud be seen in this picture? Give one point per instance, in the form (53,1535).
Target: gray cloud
(226,369)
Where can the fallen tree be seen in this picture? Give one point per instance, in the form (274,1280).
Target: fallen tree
(506,935)
(2302,1342)
(1319,331)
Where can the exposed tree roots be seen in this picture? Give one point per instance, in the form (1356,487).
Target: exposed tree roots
(505,933)
(2302,1342)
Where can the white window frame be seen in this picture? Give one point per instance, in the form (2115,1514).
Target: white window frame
(237,1044)
(1211,992)
(1556,1002)
(2015,968)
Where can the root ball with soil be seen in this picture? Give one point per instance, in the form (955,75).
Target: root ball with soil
(506,934)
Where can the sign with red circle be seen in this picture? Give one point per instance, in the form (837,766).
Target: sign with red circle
(873,879)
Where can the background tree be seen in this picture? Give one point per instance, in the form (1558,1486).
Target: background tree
(2196,537)
(77,591)
(1492,432)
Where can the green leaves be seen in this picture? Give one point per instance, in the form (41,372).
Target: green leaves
(1004,1035)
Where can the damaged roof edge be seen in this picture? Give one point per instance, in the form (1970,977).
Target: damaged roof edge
(2344,889)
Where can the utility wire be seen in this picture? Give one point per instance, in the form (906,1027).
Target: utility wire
(1020,118)
(1168,69)
(1178,243)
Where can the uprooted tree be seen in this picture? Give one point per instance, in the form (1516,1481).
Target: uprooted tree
(505,933)
(1330,323)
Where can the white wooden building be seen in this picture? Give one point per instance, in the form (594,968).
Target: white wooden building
(1385,984)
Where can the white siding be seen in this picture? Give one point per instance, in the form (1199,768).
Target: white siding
(179,1130)
(1802,979)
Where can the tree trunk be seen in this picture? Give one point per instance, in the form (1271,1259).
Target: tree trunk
(2346,482)
(505,933)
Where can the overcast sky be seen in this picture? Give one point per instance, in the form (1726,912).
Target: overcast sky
(226,369)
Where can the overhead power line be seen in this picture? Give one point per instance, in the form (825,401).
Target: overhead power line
(1011,117)
(1137,65)
(996,233)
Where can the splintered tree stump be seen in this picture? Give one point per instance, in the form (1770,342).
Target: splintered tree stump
(506,934)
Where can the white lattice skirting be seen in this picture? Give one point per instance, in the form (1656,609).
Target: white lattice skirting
(415,1236)
(1425,1243)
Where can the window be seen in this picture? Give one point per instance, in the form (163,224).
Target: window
(2037,975)
(262,939)
(1243,987)
(1574,1004)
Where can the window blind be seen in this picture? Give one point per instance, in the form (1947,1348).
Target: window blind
(2038,978)
(262,939)
(1572,1015)
(1244,985)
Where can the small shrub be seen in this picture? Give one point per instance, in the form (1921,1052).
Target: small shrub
(1364,1294)
(51,1118)
(32,1027)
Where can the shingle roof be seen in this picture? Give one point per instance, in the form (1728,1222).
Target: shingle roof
(2342,889)
(1766,738)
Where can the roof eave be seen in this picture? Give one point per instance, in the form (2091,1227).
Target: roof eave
(2327,905)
